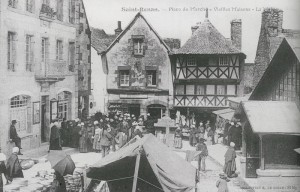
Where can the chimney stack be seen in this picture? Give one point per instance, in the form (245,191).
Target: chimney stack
(236,33)
(272,21)
(119,29)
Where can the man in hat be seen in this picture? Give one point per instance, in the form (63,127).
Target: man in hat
(201,146)
(14,137)
(13,166)
(230,166)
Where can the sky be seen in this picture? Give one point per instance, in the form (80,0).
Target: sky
(174,18)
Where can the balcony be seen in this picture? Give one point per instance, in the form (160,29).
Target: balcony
(201,100)
(47,13)
(51,71)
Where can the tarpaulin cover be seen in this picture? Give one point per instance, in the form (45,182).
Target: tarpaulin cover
(172,171)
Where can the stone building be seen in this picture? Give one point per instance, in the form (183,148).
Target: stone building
(207,70)
(271,35)
(39,66)
(138,70)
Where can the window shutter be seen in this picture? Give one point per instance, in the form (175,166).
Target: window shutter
(32,54)
(14,52)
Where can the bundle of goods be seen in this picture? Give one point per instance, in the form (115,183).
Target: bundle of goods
(73,182)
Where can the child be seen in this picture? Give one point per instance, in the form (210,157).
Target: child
(222,183)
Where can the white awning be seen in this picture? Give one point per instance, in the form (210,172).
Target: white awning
(273,117)
(225,113)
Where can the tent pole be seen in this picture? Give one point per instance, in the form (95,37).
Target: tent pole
(136,171)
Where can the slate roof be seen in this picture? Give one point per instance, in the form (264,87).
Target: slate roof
(101,40)
(207,40)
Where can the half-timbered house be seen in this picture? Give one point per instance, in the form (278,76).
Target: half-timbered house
(207,70)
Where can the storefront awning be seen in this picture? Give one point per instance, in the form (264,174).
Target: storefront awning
(225,113)
(273,117)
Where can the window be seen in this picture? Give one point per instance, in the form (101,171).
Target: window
(11,51)
(59,50)
(29,52)
(30,5)
(210,89)
(64,105)
(138,46)
(151,78)
(20,111)
(190,89)
(13,3)
(124,78)
(71,56)
(223,61)
(72,11)
(179,90)
(191,61)
(59,9)
(200,90)
(231,89)
(45,49)
(221,89)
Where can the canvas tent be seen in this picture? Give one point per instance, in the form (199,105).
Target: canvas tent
(145,164)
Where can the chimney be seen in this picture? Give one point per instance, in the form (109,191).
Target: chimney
(119,29)
(236,33)
(272,21)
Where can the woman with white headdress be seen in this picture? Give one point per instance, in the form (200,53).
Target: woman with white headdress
(230,166)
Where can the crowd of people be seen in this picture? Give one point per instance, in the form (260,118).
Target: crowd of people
(99,133)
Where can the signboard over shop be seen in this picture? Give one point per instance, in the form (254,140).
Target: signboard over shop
(133,96)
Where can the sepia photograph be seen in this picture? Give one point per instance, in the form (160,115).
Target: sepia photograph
(149,96)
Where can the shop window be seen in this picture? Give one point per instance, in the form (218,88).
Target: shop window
(151,78)
(124,77)
(20,111)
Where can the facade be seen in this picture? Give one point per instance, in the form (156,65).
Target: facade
(271,117)
(38,67)
(83,56)
(271,36)
(207,70)
(138,71)
(100,42)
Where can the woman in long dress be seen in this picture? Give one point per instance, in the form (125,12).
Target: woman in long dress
(178,138)
(230,166)
(97,137)
(83,140)
(55,138)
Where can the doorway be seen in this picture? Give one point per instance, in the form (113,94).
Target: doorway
(156,111)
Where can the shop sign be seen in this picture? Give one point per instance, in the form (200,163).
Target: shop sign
(133,96)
